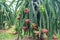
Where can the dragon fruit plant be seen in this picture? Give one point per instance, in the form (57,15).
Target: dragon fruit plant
(32,17)
(36,16)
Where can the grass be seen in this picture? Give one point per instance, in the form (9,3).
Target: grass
(6,36)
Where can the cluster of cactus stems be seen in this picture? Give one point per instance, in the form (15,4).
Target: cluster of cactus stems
(33,17)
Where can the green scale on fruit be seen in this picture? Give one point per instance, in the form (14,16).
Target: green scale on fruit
(45,37)
(44,31)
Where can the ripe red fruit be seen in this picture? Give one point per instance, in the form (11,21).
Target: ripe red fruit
(26,10)
(24,28)
(44,30)
(27,20)
(34,25)
(18,17)
(19,14)
(15,33)
(54,37)
(37,32)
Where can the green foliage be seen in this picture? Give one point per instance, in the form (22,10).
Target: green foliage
(4,36)
(58,36)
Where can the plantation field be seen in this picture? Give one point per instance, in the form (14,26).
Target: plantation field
(29,19)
